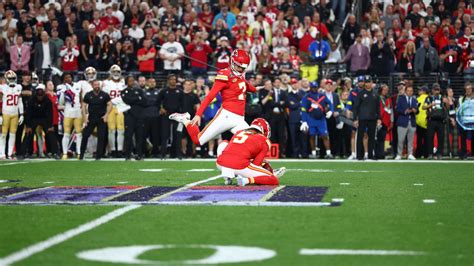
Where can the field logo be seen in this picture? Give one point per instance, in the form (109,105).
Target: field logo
(222,254)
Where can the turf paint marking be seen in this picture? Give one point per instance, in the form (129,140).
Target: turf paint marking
(429,201)
(13,163)
(185,187)
(418,184)
(57,239)
(362,171)
(9,181)
(369,252)
(337,200)
(344,184)
(312,170)
(48,182)
(151,170)
(222,254)
(122,182)
(201,170)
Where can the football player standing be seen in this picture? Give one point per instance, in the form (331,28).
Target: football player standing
(70,101)
(12,112)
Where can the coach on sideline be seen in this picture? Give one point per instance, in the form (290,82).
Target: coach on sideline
(366,117)
(95,110)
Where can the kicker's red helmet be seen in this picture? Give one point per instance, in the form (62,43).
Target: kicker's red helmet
(261,125)
(239,59)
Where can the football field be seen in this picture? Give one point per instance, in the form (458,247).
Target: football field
(179,213)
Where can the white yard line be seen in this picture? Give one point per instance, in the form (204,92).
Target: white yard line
(319,251)
(57,239)
(12,163)
(177,203)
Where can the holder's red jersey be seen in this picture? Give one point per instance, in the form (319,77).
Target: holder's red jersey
(244,147)
(233,90)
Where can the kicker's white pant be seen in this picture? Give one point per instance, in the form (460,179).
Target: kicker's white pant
(250,171)
(223,121)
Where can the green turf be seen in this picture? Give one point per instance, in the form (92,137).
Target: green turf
(382,209)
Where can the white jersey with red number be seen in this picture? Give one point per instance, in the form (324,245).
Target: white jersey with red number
(72,109)
(113,88)
(12,103)
(85,86)
(233,90)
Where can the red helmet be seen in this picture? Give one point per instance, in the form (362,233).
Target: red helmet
(261,125)
(241,59)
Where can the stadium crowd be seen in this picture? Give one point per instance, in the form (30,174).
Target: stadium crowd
(49,44)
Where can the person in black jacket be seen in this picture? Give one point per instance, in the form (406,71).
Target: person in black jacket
(134,118)
(95,110)
(298,141)
(366,113)
(39,114)
(170,100)
(274,102)
(436,108)
(152,115)
(380,57)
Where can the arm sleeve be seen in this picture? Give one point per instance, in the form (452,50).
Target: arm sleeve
(355,107)
(20,106)
(258,160)
(250,87)
(377,107)
(400,109)
(218,86)
(304,112)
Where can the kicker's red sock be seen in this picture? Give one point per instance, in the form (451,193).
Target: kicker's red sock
(265,180)
(193,132)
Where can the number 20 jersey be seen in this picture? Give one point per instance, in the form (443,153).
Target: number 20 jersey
(11,99)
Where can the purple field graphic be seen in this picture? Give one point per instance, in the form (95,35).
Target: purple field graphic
(146,195)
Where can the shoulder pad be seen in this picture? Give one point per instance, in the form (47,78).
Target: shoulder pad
(223,74)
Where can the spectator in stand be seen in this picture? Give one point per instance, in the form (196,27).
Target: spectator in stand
(261,25)
(450,55)
(306,34)
(321,27)
(319,49)
(135,31)
(222,53)
(303,10)
(437,114)
(421,125)
(426,58)
(198,51)
(350,32)
(20,55)
(90,48)
(407,108)
(146,58)
(105,60)
(171,53)
(191,104)
(387,121)
(46,55)
(407,61)
(217,32)
(226,16)
(359,57)
(205,17)
(58,42)
(69,54)
(380,57)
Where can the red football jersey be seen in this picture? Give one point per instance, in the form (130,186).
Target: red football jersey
(233,90)
(244,147)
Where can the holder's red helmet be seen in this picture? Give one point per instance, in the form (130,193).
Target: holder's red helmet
(239,62)
(261,125)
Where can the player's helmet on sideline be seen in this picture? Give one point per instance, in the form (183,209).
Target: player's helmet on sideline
(10,78)
(34,79)
(261,125)
(115,72)
(90,74)
(239,61)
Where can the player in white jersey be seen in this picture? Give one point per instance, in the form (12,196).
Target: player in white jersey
(12,112)
(90,74)
(115,120)
(70,101)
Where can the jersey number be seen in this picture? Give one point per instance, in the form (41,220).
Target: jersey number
(113,94)
(12,99)
(240,138)
(243,87)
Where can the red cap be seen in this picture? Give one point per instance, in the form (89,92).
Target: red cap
(329,81)
(294,81)
(39,24)
(134,21)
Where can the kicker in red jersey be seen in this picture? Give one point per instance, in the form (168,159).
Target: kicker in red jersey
(233,90)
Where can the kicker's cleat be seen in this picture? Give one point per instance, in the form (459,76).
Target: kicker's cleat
(227,181)
(280,172)
(242,181)
(180,117)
